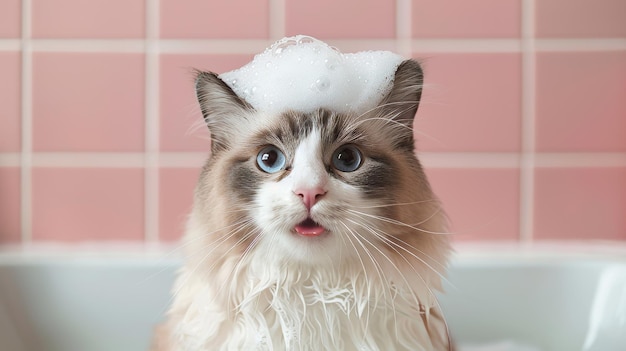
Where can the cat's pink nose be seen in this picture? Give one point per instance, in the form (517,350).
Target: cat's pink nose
(310,196)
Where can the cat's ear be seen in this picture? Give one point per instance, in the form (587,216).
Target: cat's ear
(223,111)
(402,101)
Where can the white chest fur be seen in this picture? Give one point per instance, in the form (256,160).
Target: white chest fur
(344,310)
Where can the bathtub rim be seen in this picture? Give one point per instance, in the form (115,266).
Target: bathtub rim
(473,253)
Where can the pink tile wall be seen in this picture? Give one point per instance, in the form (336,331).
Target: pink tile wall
(176,199)
(214,19)
(522,125)
(573,112)
(490,205)
(10,18)
(88,102)
(329,19)
(10,84)
(79,204)
(580,203)
(581,19)
(487,119)
(466,19)
(88,19)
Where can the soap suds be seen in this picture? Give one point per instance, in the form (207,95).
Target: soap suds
(304,74)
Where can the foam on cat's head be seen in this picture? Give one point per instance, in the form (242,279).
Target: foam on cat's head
(304,74)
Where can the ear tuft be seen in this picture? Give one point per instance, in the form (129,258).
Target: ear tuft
(401,103)
(222,109)
(405,95)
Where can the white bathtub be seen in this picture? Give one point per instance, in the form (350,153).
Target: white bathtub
(550,298)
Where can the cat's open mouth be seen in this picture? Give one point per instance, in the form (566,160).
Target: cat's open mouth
(309,228)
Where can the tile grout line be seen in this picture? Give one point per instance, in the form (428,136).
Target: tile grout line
(26,187)
(12,44)
(151,120)
(580,44)
(403,28)
(527,159)
(277,19)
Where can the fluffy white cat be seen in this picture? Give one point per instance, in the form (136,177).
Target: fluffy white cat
(311,231)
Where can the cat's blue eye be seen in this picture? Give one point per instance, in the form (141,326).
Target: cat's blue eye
(347,158)
(270,159)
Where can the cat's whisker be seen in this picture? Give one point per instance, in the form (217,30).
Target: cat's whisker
(241,240)
(404,246)
(399,223)
(387,236)
(383,278)
(207,254)
(397,204)
(218,240)
(175,250)
(387,121)
(195,127)
(428,136)
(386,105)
(383,236)
(235,272)
(372,230)
(367,280)
(378,235)
(235,269)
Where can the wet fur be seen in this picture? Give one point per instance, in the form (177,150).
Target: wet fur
(249,283)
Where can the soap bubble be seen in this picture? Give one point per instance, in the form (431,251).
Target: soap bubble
(321,84)
(331,63)
(282,45)
(304,39)
(302,73)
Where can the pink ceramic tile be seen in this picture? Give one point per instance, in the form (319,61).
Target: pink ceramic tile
(471,102)
(581,101)
(330,19)
(10,84)
(75,204)
(182,127)
(10,18)
(579,203)
(88,19)
(88,102)
(10,205)
(176,186)
(483,204)
(466,19)
(215,19)
(575,19)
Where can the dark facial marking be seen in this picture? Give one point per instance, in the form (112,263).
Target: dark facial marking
(244,180)
(375,178)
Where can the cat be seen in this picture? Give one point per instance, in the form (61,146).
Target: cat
(311,231)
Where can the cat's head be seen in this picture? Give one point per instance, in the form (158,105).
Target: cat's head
(321,186)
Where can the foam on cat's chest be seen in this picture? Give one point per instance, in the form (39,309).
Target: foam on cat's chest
(304,74)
